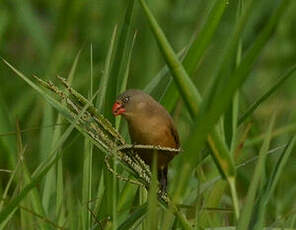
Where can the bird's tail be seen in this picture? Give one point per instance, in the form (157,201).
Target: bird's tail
(163,179)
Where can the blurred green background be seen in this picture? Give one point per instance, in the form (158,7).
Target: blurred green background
(43,37)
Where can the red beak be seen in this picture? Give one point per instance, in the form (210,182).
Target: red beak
(117,109)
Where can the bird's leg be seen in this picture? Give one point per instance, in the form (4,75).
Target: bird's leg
(163,180)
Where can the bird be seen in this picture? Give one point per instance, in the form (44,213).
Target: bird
(149,123)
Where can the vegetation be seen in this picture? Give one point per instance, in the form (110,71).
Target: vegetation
(224,70)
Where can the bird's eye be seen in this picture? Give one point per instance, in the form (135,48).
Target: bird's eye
(125,99)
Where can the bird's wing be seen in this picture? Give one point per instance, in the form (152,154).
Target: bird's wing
(174,133)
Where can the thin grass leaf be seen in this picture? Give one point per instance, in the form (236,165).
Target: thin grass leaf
(87,164)
(213,199)
(60,194)
(160,82)
(3,198)
(168,219)
(49,99)
(225,92)
(86,186)
(245,217)
(9,208)
(60,207)
(126,198)
(152,217)
(279,168)
(117,73)
(123,87)
(280,131)
(184,83)
(100,103)
(73,68)
(7,145)
(125,78)
(50,185)
(196,50)
(221,94)
(266,194)
(212,99)
(134,218)
(53,158)
(91,71)
(235,112)
(100,193)
(46,136)
(34,198)
(282,78)
(120,59)
(231,115)
(11,178)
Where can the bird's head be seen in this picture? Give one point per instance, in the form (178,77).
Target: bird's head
(130,103)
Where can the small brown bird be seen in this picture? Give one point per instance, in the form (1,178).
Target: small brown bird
(149,124)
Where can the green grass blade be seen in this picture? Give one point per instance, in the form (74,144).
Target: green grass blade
(266,194)
(73,68)
(213,199)
(60,194)
(124,81)
(202,42)
(100,192)
(7,145)
(49,140)
(117,74)
(123,87)
(197,50)
(100,104)
(126,198)
(87,164)
(60,204)
(120,59)
(224,92)
(185,85)
(221,95)
(45,145)
(267,94)
(134,218)
(152,217)
(281,131)
(230,117)
(53,158)
(87,180)
(33,199)
(48,98)
(9,208)
(245,217)
(279,168)
(4,195)
(157,87)
(125,78)
(91,71)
